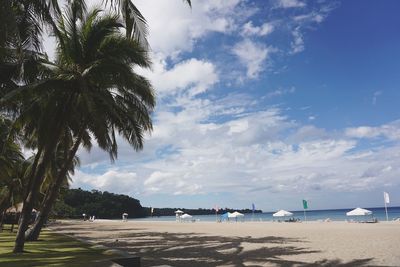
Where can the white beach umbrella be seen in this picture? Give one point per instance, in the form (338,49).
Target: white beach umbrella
(237,214)
(359,212)
(186,216)
(179,212)
(282,213)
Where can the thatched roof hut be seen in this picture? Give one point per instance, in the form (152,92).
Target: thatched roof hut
(17,208)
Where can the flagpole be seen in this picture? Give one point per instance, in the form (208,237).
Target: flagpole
(387,217)
(305,206)
(253,207)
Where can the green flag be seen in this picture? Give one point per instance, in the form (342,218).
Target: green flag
(305,204)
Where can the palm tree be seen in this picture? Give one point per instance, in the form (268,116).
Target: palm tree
(12,187)
(30,70)
(12,166)
(54,180)
(90,89)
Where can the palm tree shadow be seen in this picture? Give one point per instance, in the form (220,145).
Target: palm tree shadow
(192,249)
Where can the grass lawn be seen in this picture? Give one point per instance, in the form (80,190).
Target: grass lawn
(52,249)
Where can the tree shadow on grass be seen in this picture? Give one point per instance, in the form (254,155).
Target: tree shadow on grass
(53,250)
(192,249)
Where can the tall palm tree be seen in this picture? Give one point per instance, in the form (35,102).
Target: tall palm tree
(56,177)
(24,68)
(90,89)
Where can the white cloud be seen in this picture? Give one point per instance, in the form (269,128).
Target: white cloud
(252,55)
(112,180)
(211,141)
(307,133)
(390,131)
(256,152)
(290,3)
(160,182)
(281,92)
(298,42)
(197,74)
(157,177)
(265,29)
(311,17)
(307,20)
(175,28)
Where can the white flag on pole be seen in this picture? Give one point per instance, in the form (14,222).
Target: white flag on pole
(386,197)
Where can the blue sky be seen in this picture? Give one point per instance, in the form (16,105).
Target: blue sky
(267,102)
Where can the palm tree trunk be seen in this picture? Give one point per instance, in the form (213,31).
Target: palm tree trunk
(51,196)
(28,204)
(35,181)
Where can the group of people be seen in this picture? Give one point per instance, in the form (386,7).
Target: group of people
(90,219)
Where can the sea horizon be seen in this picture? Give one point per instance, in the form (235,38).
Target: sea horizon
(311,215)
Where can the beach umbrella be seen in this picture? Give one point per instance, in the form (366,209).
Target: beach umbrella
(230,215)
(179,212)
(237,214)
(359,212)
(282,213)
(186,216)
(125,214)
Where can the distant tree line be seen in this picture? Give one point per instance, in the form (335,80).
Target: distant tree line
(75,202)
(105,205)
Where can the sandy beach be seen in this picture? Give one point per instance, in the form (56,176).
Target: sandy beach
(246,244)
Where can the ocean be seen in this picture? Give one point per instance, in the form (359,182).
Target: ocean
(312,215)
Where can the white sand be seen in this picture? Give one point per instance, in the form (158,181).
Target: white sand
(248,243)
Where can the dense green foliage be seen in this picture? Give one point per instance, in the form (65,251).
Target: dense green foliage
(100,204)
(107,205)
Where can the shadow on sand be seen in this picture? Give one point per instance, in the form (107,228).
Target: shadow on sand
(192,249)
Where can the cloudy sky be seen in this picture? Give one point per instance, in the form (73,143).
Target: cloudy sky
(265,102)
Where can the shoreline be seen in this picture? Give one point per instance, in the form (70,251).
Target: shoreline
(231,222)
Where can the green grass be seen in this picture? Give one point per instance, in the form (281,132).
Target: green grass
(51,250)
